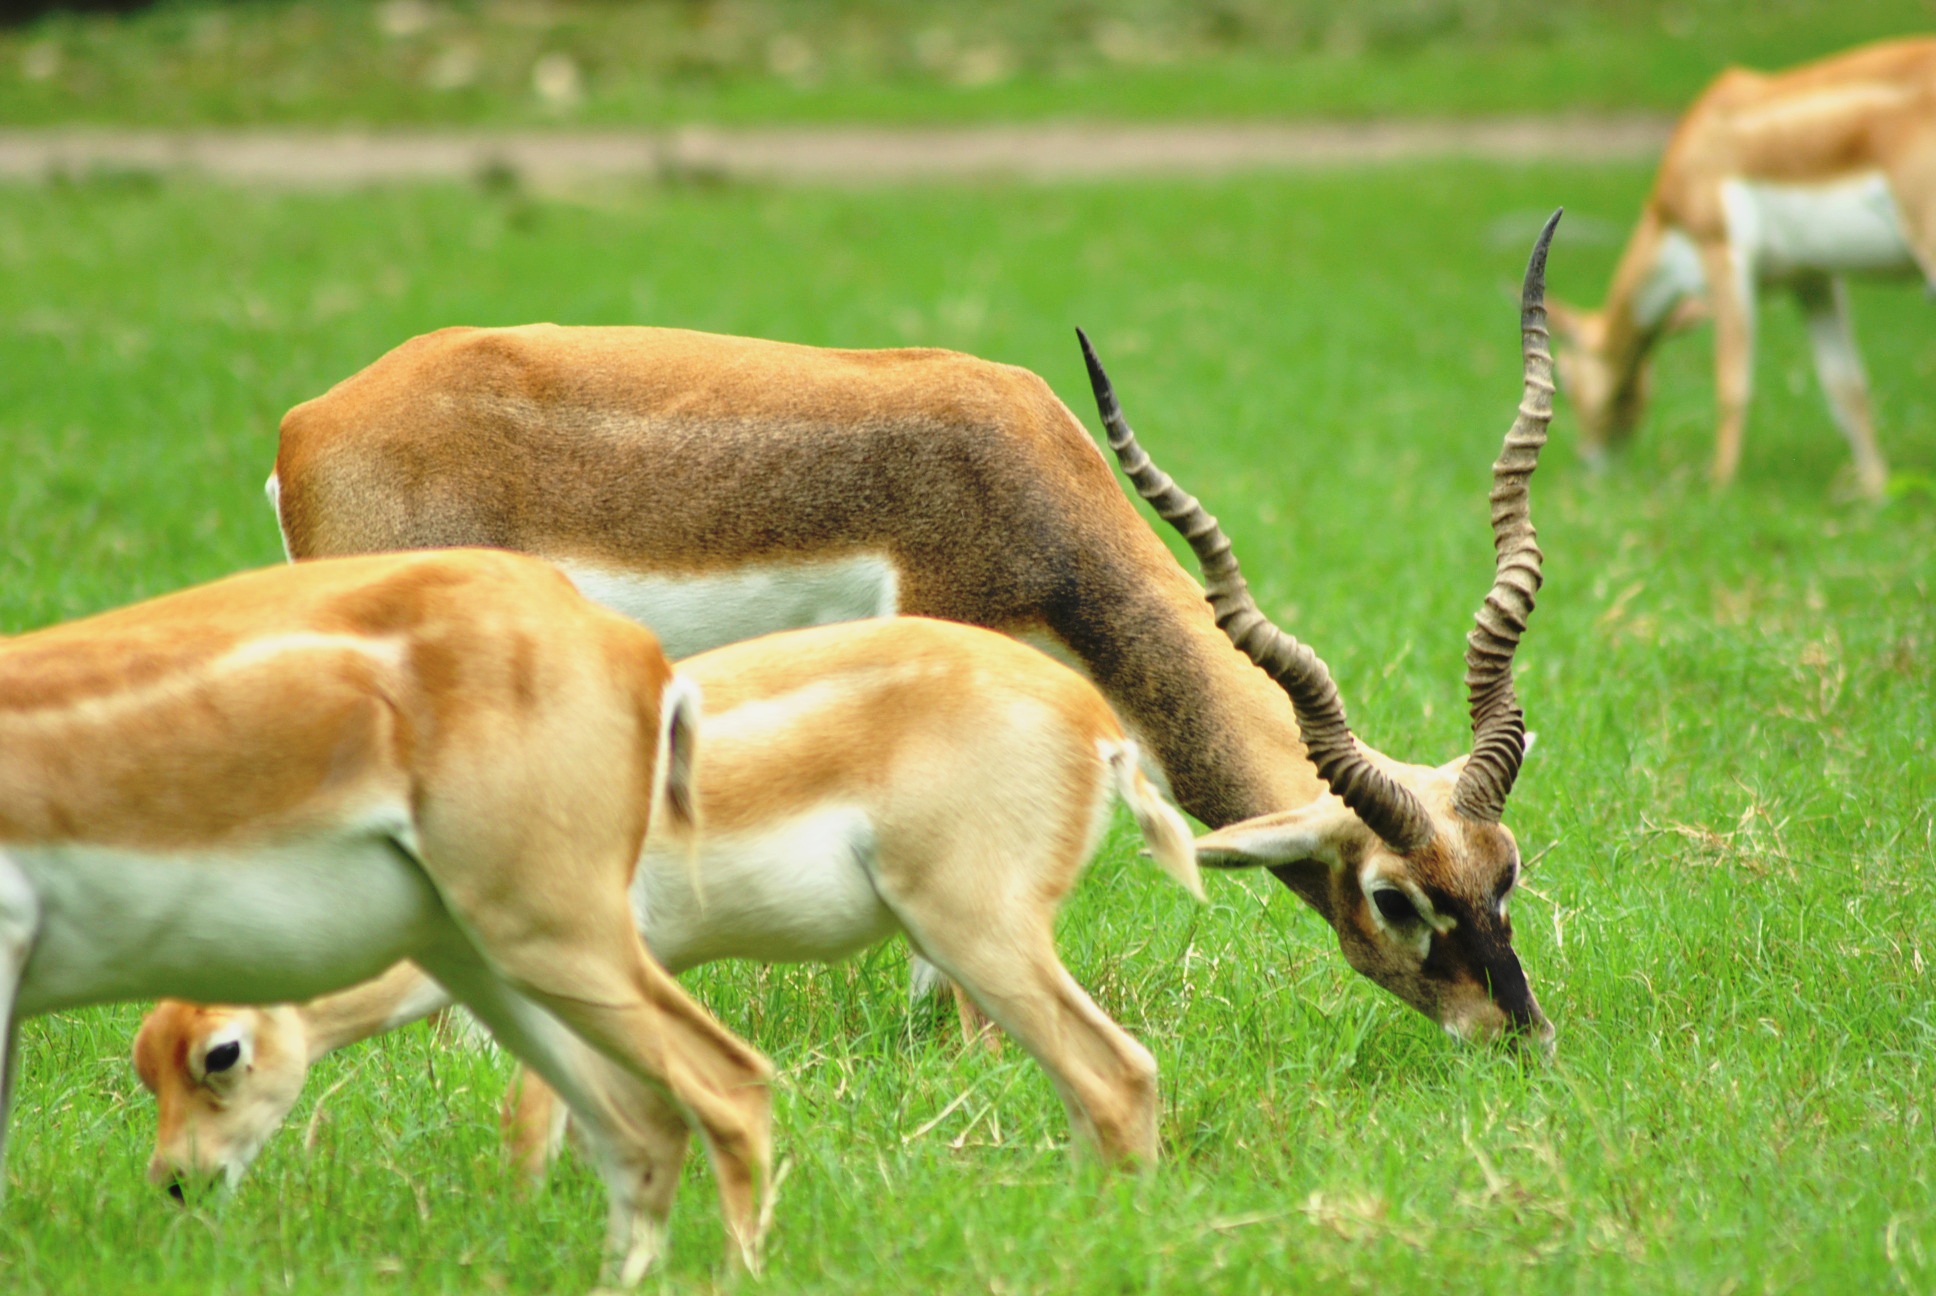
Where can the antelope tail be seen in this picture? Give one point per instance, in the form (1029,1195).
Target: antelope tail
(1164,831)
(675,795)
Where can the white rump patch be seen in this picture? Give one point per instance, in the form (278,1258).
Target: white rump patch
(694,611)
(1848,225)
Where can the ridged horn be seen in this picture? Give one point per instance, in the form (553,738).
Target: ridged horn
(1387,808)
(1498,725)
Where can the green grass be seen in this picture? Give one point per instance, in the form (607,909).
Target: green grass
(1730,803)
(189,62)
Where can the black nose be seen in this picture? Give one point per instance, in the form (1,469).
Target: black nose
(175,1190)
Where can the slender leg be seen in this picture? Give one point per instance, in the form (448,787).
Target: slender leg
(976,1028)
(533,1122)
(925,980)
(1007,962)
(1825,310)
(639,1165)
(534,859)
(1730,277)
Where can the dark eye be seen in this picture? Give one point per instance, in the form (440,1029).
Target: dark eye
(222,1057)
(1394,905)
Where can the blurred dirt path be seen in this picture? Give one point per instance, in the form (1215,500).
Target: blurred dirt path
(322,159)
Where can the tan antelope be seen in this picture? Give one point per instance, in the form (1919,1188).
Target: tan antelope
(901,775)
(280,784)
(1795,179)
(716,487)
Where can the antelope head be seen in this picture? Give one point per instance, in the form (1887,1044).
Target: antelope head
(1606,401)
(223,1080)
(1410,864)
(1608,380)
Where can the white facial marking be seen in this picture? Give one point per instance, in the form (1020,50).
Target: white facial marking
(694,611)
(1418,934)
(1846,225)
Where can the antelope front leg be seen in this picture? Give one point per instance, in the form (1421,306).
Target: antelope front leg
(1731,292)
(1825,309)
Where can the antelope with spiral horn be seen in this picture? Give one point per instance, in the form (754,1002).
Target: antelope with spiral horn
(717,487)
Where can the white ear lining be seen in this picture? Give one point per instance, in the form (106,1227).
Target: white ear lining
(1309,833)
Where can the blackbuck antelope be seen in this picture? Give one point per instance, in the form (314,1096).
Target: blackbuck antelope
(902,775)
(282,783)
(715,487)
(1792,180)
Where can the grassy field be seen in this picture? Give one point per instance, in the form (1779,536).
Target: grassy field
(1730,804)
(548,62)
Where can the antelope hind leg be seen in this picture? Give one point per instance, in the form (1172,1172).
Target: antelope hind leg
(640,1173)
(1008,963)
(1838,365)
(649,1026)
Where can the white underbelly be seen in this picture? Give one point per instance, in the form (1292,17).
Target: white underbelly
(1850,225)
(279,923)
(794,892)
(694,611)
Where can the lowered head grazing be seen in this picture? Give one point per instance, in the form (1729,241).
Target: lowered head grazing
(1408,863)
(1608,398)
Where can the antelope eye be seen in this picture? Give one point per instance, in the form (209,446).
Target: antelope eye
(222,1057)
(1395,906)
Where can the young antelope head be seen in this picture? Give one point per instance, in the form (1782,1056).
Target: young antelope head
(223,1080)
(1609,391)
(1410,864)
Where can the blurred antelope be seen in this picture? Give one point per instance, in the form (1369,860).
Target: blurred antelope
(717,487)
(1795,180)
(902,775)
(282,783)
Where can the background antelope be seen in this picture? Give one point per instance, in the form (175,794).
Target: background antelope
(1795,180)
(714,486)
(281,783)
(903,775)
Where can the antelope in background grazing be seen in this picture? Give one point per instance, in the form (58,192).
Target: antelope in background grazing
(858,780)
(715,487)
(282,783)
(1795,179)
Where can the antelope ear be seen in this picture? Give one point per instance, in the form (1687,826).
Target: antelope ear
(1456,766)
(1313,832)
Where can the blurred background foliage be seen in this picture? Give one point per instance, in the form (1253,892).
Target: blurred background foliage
(643,62)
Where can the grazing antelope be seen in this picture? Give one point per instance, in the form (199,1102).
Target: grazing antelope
(282,783)
(1793,180)
(902,775)
(714,487)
